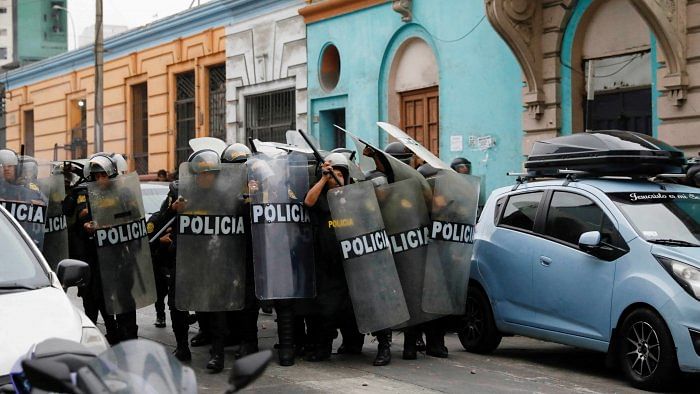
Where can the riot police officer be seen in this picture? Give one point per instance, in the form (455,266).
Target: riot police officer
(243,324)
(461,165)
(165,246)
(100,169)
(332,301)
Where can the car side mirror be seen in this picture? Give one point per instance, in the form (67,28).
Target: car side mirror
(247,369)
(73,273)
(589,241)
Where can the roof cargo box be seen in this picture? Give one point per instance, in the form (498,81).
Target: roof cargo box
(609,152)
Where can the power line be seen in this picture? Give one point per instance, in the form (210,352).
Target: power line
(456,39)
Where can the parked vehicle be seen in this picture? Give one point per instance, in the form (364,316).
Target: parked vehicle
(33,303)
(600,262)
(153,194)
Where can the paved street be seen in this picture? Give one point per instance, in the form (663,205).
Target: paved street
(519,365)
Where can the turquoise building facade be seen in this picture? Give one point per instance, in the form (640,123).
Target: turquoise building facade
(479,80)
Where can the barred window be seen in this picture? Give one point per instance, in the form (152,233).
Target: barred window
(270,115)
(139,126)
(217,102)
(184,115)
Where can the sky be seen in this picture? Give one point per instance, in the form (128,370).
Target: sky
(130,13)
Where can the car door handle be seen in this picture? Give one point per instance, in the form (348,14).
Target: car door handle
(545,261)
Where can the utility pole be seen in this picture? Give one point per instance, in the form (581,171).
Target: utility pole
(99,74)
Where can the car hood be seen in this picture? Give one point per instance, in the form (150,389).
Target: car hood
(31,316)
(683,254)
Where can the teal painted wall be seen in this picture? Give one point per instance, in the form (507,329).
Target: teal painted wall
(566,53)
(36,38)
(480,80)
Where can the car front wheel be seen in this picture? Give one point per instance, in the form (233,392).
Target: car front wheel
(646,352)
(478,332)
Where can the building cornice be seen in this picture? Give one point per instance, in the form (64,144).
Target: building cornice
(213,14)
(331,8)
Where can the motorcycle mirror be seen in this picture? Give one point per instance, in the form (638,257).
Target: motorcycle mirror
(73,273)
(48,375)
(248,368)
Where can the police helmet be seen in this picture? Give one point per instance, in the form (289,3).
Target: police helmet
(259,170)
(459,162)
(427,170)
(339,162)
(349,153)
(121,163)
(29,168)
(376,177)
(205,160)
(399,151)
(100,162)
(235,153)
(8,157)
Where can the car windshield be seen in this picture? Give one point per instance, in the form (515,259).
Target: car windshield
(662,217)
(153,197)
(19,267)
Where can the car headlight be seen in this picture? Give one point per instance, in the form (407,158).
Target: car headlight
(686,275)
(93,339)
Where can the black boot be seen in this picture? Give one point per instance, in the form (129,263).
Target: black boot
(247,348)
(410,351)
(216,362)
(435,343)
(201,339)
(285,332)
(285,355)
(183,353)
(322,352)
(383,349)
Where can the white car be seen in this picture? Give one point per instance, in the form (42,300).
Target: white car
(33,304)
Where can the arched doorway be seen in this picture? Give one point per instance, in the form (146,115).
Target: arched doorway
(612,69)
(413,93)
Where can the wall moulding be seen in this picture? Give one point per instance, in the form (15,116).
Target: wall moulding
(668,20)
(519,23)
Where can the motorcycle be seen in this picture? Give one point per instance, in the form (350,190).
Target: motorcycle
(136,366)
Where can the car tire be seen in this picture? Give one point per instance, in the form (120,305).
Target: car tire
(646,352)
(478,332)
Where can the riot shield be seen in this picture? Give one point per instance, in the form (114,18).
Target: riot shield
(407,222)
(453,215)
(211,246)
(283,254)
(27,205)
(123,255)
(56,228)
(415,147)
(373,282)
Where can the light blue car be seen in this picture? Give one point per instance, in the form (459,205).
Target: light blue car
(611,265)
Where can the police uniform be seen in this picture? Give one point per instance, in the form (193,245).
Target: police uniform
(332,304)
(166,252)
(81,246)
(126,322)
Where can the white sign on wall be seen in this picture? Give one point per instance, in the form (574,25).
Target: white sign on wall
(456,143)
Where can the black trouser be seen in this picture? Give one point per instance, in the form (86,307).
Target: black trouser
(243,324)
(94,303)
(217,330)
(160,275)
(181,325)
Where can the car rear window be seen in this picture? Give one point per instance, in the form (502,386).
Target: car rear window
(520,211)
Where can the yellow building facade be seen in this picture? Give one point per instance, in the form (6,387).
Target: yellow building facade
(51,111)
(164,83)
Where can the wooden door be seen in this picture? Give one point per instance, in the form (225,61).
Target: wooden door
(420,117)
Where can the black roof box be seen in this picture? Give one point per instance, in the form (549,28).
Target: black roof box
(609,152)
